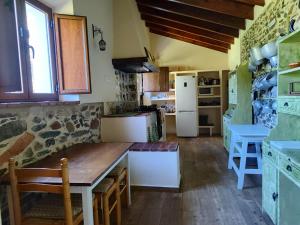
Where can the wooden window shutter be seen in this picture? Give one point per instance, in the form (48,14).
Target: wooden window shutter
(72,54)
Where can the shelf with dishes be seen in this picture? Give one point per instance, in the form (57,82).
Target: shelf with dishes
(209,96)
(170,114)
(209,86)
(209,106)
(289,71)
(163,99)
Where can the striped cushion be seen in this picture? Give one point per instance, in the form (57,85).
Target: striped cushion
(52,207)
(116,172)
(104,185)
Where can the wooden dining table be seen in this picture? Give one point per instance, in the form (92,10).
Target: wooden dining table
(88,165)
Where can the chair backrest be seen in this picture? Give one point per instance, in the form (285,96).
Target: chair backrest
(31,186)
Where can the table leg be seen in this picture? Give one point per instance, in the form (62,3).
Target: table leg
(242,168)
(259,156)
(87,206)
(127,159)
(10,205)
(231,151)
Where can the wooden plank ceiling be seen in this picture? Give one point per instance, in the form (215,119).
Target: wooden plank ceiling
(208,23)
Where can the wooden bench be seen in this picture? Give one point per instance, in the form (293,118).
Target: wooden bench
(210,127)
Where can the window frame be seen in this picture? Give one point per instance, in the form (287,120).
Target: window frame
(25,65)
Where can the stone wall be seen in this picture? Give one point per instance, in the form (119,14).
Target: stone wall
(54,128)
(269,25)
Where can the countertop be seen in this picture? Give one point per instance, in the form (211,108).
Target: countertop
(290,149)
(127,114)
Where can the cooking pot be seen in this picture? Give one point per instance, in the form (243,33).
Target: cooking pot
(269,50)
(274,61)
(251,66)
(256,56)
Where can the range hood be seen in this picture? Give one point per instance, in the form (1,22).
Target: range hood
(136,64)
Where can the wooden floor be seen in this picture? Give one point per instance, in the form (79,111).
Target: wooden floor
(209,195)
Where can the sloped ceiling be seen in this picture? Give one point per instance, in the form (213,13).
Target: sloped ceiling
(208,23)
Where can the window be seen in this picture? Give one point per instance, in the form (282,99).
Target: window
(27,56)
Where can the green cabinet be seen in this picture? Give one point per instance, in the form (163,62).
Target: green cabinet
(281,184)
(233,89)
(289,105)
(239,93)
(269,183)
(226,133)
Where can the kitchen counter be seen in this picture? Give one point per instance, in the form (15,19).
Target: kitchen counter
(289,149)
(127,114)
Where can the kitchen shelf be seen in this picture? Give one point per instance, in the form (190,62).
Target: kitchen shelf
(209,96)
(209,106)
(267,98)
(209,86)
(283,72)
(170,114)
(163,99)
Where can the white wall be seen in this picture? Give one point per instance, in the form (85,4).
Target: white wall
(171,52)
(99,13)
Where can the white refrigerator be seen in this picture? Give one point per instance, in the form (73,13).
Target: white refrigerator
(186,106)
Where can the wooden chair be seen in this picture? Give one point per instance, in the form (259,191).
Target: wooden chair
(51,209)
(105,191)
(120,175)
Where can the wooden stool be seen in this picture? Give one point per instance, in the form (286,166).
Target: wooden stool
(120,175)
(104,191)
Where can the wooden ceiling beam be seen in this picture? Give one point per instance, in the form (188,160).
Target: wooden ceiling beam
(202,44)
(202,14)
(189,35)
(190,29)
(190,21)
(232,8)
(252,2)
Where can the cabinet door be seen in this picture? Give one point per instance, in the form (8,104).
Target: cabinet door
(164,79)
(156,82)
(270,192)
(72,54)
(151,82)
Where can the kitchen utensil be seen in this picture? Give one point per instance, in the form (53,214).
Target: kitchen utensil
(257,104)
(265,82)
(267,108)
(274,92)
(274,61)
(256,56)
(251,67)
(269,50)
(272,78)
(274,105)
(294,65)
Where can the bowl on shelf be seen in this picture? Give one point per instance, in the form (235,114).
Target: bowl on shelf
(294,65)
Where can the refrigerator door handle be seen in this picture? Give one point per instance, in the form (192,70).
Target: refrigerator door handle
(184,111)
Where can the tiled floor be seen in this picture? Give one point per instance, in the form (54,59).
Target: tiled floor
(209,195)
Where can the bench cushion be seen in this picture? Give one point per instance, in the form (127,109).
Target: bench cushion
(155,147)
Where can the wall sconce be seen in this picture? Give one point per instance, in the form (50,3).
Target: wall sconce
(102,43)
